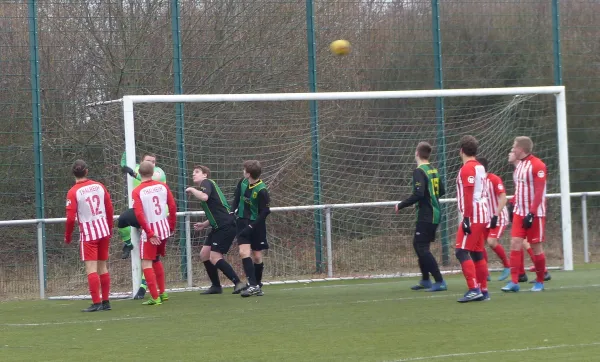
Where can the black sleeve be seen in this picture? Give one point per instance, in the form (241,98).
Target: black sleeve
(236,196)
(263,206)
(442,188)
(206,187)
(419,186)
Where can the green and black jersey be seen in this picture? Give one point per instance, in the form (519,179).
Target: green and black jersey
(251,202)
(427,189)
(216,207)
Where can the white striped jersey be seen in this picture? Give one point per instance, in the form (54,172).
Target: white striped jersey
(90,202)
(471,192)
(495,187)
(155,209)
(530,180)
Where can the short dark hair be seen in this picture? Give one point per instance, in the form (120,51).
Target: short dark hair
(79,168)
(468,144)
(148,154)
(205,170)
(484,162)
(253,167)
(424,150)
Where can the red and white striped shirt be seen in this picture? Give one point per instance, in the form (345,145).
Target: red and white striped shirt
(495,188)
(88,202)
(471,192)
(151,200)
(530,187)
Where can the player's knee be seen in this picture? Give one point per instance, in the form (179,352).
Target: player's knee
(492,242)
(205,253)
(245,250)
(215,257)
(476,255)
(257,256)
(462,255)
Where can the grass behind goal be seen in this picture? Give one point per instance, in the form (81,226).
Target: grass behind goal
(375,320)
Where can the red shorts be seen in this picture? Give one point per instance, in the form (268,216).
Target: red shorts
(149,251)
(94,250)
(535,234)
(474,241)
(495,233)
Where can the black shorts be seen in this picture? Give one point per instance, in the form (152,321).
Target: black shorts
(257,238)
(128,219)
(220,240)
(425,232)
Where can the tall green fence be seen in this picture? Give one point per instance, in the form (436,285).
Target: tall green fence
(58,56)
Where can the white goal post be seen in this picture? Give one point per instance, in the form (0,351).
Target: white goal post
(130,101)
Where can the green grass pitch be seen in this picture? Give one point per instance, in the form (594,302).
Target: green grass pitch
(359,320)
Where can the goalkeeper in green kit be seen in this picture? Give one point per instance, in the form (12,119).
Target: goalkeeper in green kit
(128,219)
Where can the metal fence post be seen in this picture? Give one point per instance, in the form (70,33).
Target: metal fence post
(328,240)
(188,250)
(584,226)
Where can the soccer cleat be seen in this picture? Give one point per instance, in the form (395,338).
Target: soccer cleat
(213,290)
(511,287)
(151,301)
(438,287)
(260,293)
(239,286)
(140,293)
(538,287)
(106,305)
(164,297)
(485,296)
(547,277)
(251,290)
(93,308)
(471,295)
(127,248)
(423,284)
(523,278)
(505,274)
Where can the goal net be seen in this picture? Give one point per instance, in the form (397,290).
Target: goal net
(357,148)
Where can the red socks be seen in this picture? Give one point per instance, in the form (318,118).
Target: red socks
(499,250)
(94,283)
(540,267)
(151,282)
(516,264)
(468,269)
(159,271)
(105,284)
(481,270)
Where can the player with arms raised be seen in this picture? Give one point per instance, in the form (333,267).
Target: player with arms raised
(427,189)
(472,205)
(496,196)
(156,212)
(88,202)
(529,214)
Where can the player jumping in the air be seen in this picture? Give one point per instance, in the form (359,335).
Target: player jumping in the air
(496,196)
(473,208)
(427,189)
(156,212)
(89,204)
(529,215)
(127,218)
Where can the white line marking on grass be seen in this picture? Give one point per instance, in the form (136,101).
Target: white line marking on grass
(70,322)
(465,354)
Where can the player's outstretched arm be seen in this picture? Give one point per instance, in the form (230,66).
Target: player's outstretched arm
(236,196)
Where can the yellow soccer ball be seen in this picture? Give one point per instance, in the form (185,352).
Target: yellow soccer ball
(340,47)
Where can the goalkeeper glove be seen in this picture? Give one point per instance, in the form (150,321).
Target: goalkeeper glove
(528,221)
(128,170)
(494,222)
(466,225)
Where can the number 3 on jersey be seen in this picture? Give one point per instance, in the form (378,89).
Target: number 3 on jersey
(157,208)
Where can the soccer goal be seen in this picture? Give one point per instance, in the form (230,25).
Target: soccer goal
(334,163)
